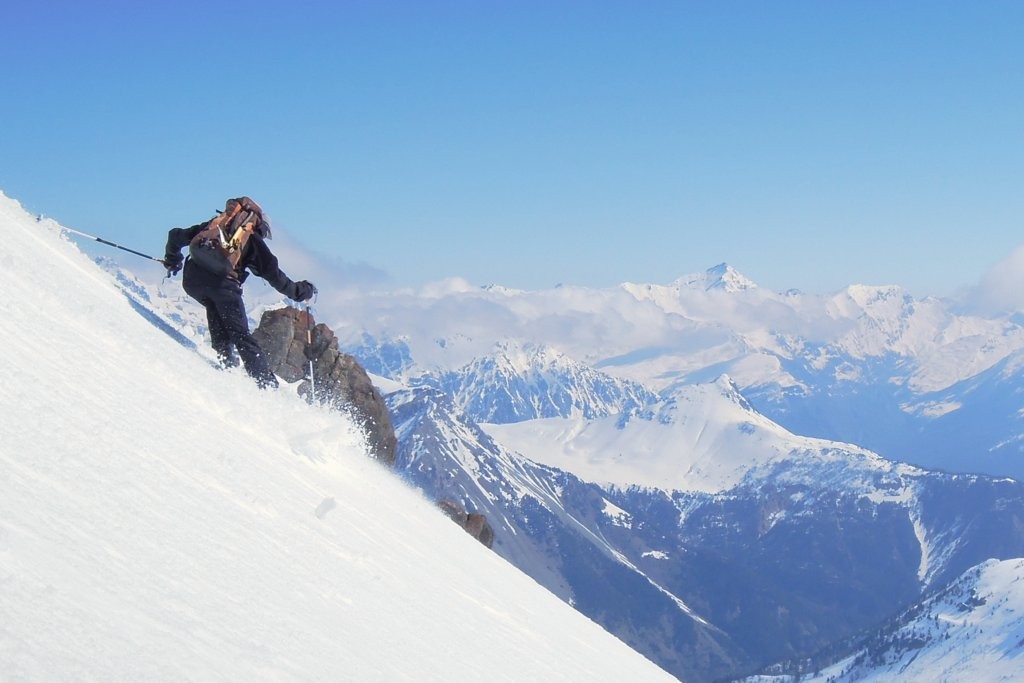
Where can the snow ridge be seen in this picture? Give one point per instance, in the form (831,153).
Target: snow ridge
(973,630)
(163,520)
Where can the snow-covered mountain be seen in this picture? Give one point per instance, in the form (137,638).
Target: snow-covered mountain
(164,520)
(770,544)
(527,382)
(976,424)
(869,365)
(648,454)
(551,524)
(722,277)
(971,630)
(704,437)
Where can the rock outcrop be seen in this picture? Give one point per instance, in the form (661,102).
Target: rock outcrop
(338,378)
(476,525)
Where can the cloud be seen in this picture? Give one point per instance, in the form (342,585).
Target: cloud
(447,287)
(1001,288)
(326,271)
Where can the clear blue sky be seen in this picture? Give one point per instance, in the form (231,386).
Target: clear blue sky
(809,144)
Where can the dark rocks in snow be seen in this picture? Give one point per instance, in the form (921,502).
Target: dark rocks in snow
(475,524)
(338,378)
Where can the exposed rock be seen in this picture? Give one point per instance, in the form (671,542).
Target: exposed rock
(476,525)
(338,378)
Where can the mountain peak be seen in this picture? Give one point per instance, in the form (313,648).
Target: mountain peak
(725,277)
(722,277)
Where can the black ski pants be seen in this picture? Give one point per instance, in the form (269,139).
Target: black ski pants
(229,328)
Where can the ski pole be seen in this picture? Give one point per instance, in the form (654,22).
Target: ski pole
(111,244)
(309,351)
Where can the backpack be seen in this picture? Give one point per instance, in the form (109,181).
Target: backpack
(218,247)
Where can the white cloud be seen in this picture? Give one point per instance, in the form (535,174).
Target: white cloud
(1001,288)
(326,272)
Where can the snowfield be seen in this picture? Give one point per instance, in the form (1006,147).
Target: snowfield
(161,519)
(704,438)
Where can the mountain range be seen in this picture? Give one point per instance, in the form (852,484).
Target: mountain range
(700,439)
(726,478)
(971,629)
(920,381)
(704,535)
(164,520)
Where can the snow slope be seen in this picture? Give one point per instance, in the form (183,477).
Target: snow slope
(164,520)
(972,631)
(704,438)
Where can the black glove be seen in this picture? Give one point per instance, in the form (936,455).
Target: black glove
(173,264)
(304,290)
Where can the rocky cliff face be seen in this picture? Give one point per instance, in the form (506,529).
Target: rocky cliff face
(475,524)
(339,380)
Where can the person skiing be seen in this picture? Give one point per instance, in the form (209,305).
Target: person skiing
(222,251)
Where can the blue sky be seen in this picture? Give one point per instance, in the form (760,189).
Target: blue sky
(809,144)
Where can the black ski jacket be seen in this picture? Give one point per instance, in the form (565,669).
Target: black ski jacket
(256,257)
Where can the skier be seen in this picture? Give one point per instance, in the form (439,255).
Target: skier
(221,251)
